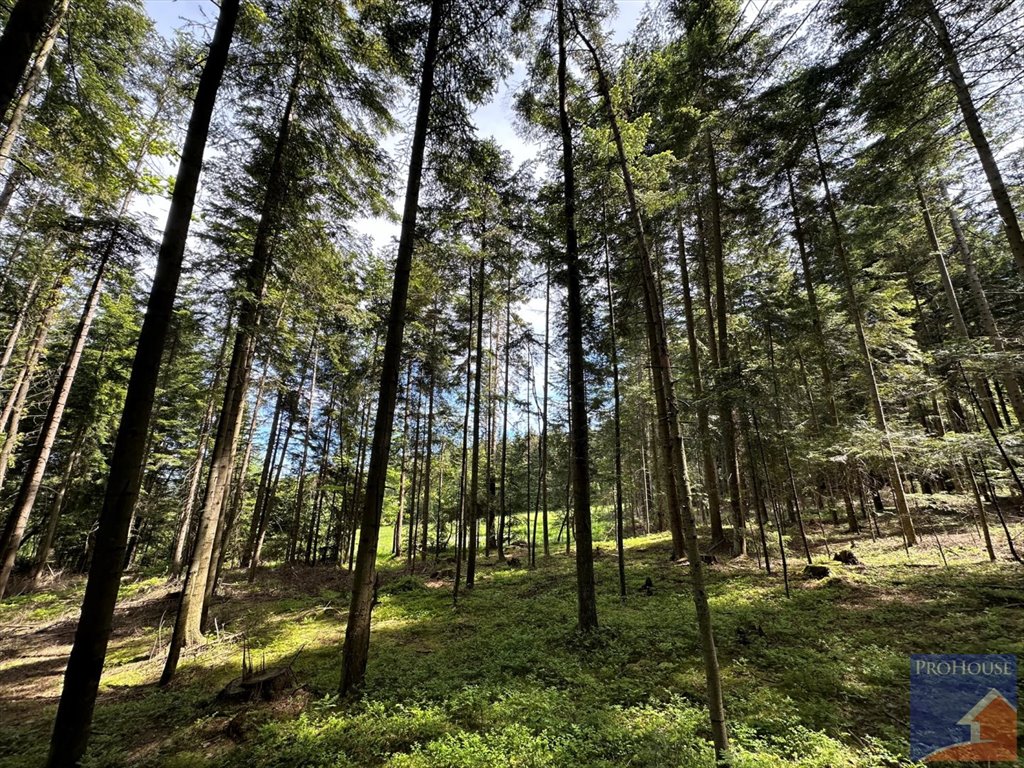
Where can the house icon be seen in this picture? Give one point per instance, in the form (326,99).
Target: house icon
(993,722)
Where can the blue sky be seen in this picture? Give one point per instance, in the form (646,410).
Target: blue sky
(494,119)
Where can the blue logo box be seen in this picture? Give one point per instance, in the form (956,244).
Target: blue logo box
(963,707)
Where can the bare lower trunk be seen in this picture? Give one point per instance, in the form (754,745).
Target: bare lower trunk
(464,465)
(544,415)
(357,632)
(473,501)
(896,477)
(81,679)
(188,624)
(427,467)
(617,417)
(716,707)
(35,469)
(503,500)
(585,592)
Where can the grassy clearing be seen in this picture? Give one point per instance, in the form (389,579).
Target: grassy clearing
(818,679)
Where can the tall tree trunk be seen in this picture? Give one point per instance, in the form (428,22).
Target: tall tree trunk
(300,491)
(428,453)
(357,633)
(32,480)
(188,623)
(42,556)
(492,413)
(82,677)
(726,373)
(585,591)
(473,504)
(544,416)
(26,27)
(414,481)
(716,707)
(503,500)
(35,76)
(896,477)
(464,466)
(195,473)
(972,120)
(703,429)
(620,534)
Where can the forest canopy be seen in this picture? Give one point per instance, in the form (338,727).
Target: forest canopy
(599,330)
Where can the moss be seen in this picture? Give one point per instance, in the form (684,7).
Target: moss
(817,679)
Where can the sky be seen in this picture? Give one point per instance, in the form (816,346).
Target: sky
(494,119)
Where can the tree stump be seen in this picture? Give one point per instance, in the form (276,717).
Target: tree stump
(816,571)
(266,685)
(846,557)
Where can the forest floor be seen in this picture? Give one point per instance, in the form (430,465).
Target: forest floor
(816,679)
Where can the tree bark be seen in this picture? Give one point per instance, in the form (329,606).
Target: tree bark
(896,477)
(357,633)
(617,418)
(585,592)
(473,502)
(188,624)
(716,707)
(35,76)
(543,480)
(81,679)
(464,465)
(503,501)
(428,455)
(25,28)
(972,120)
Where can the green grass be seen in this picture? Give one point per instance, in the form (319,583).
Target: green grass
(818,679)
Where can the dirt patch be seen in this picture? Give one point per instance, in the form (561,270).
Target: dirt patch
(33,656)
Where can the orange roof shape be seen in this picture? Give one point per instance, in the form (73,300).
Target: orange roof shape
(993,722)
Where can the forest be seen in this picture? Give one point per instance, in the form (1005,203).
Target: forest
(464,383)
